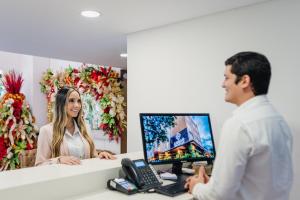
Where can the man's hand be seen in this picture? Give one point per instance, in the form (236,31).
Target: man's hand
(106,155)
(202,177)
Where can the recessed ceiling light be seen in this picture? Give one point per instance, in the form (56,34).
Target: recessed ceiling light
(90,13)
(123,55)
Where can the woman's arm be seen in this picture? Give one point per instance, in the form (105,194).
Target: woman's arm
(43,154)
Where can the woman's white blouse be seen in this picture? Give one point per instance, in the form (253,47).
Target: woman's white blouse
(75,143)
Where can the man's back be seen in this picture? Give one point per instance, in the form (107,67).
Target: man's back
(253,158)
(268,171)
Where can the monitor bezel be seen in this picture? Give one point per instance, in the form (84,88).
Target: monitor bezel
(209,160)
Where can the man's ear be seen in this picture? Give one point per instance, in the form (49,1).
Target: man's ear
(245,82)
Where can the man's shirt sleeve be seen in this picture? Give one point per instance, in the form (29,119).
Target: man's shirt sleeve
(233,152)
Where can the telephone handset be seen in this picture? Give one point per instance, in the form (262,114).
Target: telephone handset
(140,173)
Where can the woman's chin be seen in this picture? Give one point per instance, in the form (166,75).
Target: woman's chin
(74,115)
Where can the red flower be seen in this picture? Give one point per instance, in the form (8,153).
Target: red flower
(98,95)
(77,79)
(75,71)
(14,133)
(103,126)
(3,150)
(10,123)
(110,136)
(94,75)
(104,71)
(106,110)
(17,104)
(12,82)
(17,109)
(106,83)
(29,146)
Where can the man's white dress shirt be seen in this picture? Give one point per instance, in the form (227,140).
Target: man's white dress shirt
(254,157)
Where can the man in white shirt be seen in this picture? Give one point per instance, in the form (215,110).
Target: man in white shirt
(254,158)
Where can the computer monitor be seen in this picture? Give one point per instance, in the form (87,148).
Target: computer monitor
(176,138)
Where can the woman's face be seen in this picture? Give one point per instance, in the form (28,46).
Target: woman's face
(73,104)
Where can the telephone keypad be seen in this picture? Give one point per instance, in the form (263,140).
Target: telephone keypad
(148,176)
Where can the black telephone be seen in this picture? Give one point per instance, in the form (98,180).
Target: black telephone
(141,174)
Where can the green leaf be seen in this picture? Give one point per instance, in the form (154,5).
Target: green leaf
(69,69)
(12,165)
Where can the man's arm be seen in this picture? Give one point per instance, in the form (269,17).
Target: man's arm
(229,167)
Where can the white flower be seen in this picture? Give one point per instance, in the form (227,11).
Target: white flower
(9,101)
(26,121)
(119,108)
(112,104)
(52,97)
(112,112)
(120,99)
(122,116)
(112,97)
(99,90)
(81,90)
(9,155)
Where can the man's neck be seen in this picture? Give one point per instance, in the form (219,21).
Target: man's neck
(245,98)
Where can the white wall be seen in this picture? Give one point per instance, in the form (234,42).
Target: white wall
(179,68)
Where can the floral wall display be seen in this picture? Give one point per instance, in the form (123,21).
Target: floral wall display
(2,89)
(17,130)
(100,88)
(92,111)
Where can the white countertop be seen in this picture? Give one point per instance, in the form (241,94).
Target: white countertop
(21,177)
(79,182)
(115,195)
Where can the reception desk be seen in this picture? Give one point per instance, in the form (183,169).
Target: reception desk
(81,182)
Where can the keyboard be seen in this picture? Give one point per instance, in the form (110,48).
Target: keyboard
(172,189)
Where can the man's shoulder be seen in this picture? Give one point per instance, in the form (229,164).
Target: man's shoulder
(258,113)
(233,122)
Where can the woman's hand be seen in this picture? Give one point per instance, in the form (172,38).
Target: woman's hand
(106,155)
(68,160)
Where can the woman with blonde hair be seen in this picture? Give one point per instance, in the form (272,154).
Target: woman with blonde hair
(66,139)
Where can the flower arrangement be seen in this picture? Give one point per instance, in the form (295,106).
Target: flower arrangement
(99,81)
(1,88)
(17,129)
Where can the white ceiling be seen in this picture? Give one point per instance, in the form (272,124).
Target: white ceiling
(55,29)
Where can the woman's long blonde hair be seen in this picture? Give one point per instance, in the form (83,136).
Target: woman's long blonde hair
(61,119)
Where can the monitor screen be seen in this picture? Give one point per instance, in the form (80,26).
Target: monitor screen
(177,137)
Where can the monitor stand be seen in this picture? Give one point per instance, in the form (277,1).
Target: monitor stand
(177,169)
(209,162)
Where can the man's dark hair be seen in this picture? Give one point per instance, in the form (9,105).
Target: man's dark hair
(256,66)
